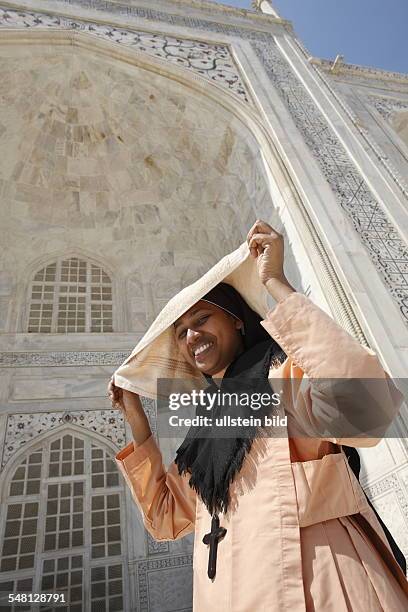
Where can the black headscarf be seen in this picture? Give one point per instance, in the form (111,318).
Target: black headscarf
(212,461)
(226,297)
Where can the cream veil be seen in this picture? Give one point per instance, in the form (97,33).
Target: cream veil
(156,355)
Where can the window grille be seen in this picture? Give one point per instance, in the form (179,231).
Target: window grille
(17,585)
(64,574)
(61,527)
(71,295)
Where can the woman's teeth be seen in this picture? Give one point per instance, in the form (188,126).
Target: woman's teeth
(202,348)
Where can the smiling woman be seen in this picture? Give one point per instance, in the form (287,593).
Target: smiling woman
(208,338)
(313,522)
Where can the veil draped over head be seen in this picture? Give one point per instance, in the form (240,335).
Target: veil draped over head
(157,356)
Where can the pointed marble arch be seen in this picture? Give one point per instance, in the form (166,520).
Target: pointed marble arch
(34,505)
(75,251)
(212,62)
(247,117)
(14,460)
(117,283)
(107,425)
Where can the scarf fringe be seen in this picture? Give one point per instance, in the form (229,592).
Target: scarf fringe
(216,498)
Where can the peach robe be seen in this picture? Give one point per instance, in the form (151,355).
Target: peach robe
(300,534)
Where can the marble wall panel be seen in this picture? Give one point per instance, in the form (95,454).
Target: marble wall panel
(165,585)
(54,387)
(79,168)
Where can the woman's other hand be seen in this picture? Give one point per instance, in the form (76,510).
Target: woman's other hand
(267,246)
(131,407)
(115,395)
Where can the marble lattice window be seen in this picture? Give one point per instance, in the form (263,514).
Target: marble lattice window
(71,295)
(60,526)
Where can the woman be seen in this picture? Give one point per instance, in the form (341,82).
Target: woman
(280,522)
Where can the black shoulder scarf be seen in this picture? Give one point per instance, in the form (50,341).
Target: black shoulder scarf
(214,461)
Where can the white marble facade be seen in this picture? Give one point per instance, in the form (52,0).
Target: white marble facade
(138,142)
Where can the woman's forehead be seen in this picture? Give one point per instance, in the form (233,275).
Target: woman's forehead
(197,307)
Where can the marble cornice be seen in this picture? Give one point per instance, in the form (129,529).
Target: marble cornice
(207,6)
(229,17)
(376,74)
(23,359)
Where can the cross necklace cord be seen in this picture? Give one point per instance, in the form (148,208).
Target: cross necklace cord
(216,534)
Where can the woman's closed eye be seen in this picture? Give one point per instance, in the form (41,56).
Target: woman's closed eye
(200,321)
(182,334)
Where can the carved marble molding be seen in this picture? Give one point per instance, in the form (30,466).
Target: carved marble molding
(387,106)
(23,428)
(386,485)
(147,566)
(212,62)
(387,250)
(26,359)
(169,11)
(377,75)
(156,547)
(331,85)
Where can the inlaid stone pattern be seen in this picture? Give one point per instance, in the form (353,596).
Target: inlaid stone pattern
(395,112)
(150,409)
(160,579)
(156,547)
(389,497)
(23,428)
(387,106)
(388,251)
(62,358)
(213,62)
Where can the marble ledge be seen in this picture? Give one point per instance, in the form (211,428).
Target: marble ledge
(208,11)
(376,74)
(62,405)
(107,341)
(382,332)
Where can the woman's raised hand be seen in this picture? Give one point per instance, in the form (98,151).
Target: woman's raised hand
(267,246)
(131,407)
(116,396)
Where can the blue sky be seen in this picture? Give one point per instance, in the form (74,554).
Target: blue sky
(366,32)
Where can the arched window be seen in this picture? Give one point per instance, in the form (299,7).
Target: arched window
(71,295)
(61,526)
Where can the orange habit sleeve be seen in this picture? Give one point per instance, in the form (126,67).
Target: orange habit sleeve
(165,498)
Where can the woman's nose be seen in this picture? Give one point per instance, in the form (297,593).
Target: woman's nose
(192,335)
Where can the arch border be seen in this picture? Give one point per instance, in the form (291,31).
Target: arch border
(23,298)
(120,490)
(13,462)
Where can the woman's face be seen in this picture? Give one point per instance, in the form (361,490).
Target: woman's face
(208,337)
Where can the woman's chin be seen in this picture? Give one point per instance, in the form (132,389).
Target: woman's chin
(205,368)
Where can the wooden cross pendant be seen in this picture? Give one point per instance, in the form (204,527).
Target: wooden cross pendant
(216,534)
